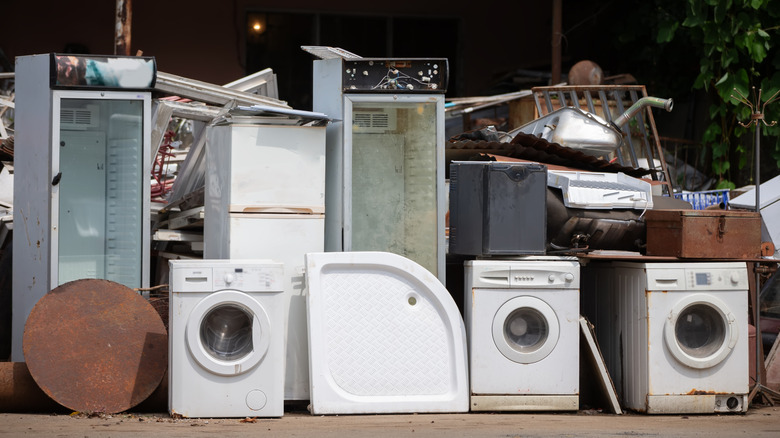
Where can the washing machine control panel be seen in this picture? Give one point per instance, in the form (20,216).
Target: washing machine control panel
(249,278)
(716,279)
(537,274)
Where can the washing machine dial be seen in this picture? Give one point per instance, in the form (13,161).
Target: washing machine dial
(735,277)
(229,278)
(569,277)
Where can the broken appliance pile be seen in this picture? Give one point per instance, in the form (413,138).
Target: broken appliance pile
(305,251)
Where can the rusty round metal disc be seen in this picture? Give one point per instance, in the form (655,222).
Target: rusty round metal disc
(95,346)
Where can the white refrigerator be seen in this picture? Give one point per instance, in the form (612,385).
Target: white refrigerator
(265,198)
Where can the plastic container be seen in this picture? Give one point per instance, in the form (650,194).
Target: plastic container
(704,199)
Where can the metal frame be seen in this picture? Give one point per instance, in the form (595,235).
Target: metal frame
(209,93)
(600,99)
(57,96)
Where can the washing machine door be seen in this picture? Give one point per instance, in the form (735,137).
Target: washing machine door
(228,333)
(700,331)
(525,329)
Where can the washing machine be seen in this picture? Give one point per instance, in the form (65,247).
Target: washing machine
(522,323)
(226,338)
(674,335)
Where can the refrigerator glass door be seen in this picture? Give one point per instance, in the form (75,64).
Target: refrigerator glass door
(392,188)
(97,188)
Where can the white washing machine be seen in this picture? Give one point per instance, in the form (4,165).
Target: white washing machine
(522,322)
(674,335)
(226,338)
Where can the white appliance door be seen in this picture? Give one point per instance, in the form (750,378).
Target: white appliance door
(525,329)
(100,187)
(700,330)
(385,336)
(228,333)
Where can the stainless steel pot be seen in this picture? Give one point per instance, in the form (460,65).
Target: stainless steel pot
(584,131)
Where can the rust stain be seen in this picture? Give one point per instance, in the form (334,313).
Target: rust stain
(700,392)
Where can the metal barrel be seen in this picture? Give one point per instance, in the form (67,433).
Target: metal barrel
(20,393)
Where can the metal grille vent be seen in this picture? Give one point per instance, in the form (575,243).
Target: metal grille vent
(374,121)
(79,118)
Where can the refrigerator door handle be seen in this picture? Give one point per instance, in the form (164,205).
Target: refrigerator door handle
(287,210)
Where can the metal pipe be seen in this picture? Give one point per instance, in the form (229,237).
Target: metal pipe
(623,119)
(20,393)
(557,37)
(122,27)
(756,305)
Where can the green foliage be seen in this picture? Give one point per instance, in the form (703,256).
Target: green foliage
(738,45)
(715,46)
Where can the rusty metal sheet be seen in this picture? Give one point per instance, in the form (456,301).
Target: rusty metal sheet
(95,346)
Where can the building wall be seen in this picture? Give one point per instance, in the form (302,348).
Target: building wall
(205,40)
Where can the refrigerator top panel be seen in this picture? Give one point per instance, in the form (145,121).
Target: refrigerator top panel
(102,72)
(395,75)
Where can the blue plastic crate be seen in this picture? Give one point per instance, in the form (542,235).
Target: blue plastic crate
(704,199)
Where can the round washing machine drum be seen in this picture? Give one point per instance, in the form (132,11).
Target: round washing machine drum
(227,333)
(525,329)
(700,331)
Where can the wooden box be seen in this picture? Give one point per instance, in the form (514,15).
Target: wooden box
(704,234)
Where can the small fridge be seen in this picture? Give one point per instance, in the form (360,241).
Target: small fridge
(385,156)
(498,208)
(265,199)
(82,171)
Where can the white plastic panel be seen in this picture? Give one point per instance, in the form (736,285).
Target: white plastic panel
(385,336)
(593,190)
(769,198)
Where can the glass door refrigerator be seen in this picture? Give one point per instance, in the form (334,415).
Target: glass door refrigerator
(82,173)
(385,156)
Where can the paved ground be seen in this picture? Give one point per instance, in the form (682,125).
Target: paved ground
(758,422)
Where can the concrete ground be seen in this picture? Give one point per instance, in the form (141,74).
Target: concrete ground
(758,422)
